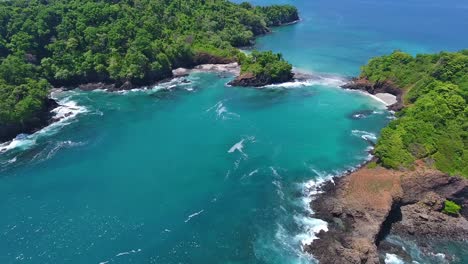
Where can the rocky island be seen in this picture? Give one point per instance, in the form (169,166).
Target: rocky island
(263,68)
(416,186)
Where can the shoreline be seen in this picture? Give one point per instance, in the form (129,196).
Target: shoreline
(363,206)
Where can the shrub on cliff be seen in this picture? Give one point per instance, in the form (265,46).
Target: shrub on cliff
(451,208)
(22,93)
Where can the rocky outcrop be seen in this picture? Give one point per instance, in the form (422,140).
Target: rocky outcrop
(365,206)
(250,80)
(355,208)
(364,84)
(43,118)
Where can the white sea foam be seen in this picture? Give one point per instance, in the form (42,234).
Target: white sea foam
(393,259)
(128,252)
(253,172)
(193,215)
(279,189)
(275,172)
(64,113)
(21,142)
(238,146)
(222,111)
(315,80)
(365,135)
(311,226)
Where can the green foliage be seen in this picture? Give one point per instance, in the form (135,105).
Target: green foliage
(70,42)
(267,65)
(434,125)
(372,165)
(451,208)
(22,93)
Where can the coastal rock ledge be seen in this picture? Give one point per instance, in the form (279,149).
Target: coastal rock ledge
(385,87)
(362,208)
(250,80)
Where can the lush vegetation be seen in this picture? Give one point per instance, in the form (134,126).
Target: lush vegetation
(451,208)
(70,42)
(433,125)
(267,66)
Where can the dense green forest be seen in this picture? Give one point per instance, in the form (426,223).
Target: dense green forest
(267,65)
(70,42)
(434,124)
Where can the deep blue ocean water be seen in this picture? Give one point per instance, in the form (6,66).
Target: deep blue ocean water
(199,172)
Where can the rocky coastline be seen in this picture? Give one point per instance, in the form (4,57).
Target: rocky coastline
(44,117)
(250,80)
(365,206)
(378,89)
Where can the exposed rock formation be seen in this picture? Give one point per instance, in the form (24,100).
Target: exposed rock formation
(375,88)
(250,80)
(362,208)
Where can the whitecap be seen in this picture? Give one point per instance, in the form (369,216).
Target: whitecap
(193,215)
(253,172)
(239,146)
(128,252)
(222,111)
(368,136)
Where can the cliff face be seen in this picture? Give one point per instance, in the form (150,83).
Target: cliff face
(365,206)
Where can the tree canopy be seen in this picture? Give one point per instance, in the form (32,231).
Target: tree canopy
(71,42)
(267,65)
(434,123)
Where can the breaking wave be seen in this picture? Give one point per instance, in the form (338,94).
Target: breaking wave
(368,136)
(65,113)
(311,80)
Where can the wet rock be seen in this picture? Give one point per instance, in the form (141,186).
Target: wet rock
(250,80)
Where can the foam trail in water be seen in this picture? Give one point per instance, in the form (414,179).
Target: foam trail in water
(128,252)
(193,215)
(222,112)
(368,136)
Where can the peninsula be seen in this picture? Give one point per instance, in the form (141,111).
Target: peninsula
(417,185)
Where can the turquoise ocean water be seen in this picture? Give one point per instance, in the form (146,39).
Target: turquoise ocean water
(199,172)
